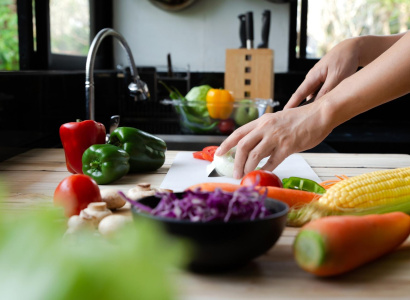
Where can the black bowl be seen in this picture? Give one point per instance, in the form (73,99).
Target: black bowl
(220,246)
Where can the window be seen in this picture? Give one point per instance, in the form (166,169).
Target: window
(70,27)
(56,34)
(318,25)
(9,51)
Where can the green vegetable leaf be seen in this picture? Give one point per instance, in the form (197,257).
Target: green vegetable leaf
(37,263)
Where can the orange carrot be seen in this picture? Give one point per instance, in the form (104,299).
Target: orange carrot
(289,196)
(331,182)
(338,244)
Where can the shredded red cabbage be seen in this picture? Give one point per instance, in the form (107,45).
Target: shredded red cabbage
(246,203)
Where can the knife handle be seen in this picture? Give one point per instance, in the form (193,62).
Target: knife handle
(242,30)
(265,29)
(249,30)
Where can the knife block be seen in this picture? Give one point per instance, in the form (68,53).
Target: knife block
(249,73)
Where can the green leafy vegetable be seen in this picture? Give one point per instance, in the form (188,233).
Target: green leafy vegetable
(198,93)
(36,262)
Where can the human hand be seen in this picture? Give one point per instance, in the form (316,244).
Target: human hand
(338,64)
(277,135)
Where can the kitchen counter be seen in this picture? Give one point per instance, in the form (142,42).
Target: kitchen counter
(30,179)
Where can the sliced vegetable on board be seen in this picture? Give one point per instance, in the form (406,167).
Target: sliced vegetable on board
(75,192)
(337,244)
(76,137)
(293,198)
(206,153)
(370,193)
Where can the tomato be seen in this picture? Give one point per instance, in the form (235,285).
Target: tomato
(198,155)
(226,126)
(75,192)
(261,178)
(209,152)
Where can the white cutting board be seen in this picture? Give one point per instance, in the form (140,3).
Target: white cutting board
(187,170)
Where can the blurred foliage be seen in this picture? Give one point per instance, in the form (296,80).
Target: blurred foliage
(70,26)
(9,49)
(37,262)
(337,20)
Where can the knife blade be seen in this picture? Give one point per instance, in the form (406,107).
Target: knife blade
(265,29)
(249,30)
(242,30)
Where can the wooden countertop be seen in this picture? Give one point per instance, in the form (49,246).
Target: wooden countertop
(31,178)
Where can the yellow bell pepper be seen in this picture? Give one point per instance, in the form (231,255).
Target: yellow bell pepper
(219,103)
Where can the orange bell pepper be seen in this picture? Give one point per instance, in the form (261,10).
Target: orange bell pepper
(219,103)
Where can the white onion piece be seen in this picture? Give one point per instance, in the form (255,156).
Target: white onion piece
(224,164)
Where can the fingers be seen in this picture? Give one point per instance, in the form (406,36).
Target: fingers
(275,159)
(232,140)
(261,150)
(330,84)
(308,87)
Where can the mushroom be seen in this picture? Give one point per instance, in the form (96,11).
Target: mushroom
(113,223)
(96,211)
(78,223)
(112,198)
(142,190)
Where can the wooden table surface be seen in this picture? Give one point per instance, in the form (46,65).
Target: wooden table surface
(31,178)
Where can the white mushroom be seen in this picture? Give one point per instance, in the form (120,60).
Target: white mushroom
(97,211)
(112,198)
(113,223)
(78,223)
(142,190)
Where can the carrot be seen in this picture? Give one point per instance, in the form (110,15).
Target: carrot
(337,244)
(331,182)
(289,196)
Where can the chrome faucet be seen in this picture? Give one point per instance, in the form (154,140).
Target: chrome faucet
(137,87)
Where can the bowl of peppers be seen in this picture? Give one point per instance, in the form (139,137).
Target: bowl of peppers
(205,110)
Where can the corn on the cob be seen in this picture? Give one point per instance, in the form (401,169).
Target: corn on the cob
(370,193)
(369,190)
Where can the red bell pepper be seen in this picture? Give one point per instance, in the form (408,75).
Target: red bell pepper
(77,137)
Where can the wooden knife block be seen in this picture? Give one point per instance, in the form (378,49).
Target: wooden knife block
(249,73)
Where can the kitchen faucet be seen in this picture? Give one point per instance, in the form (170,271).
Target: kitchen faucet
(137,87)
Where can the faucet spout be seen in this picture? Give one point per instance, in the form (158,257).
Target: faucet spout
(137,87)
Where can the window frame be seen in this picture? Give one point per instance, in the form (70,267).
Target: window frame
(301,63)
(42,58)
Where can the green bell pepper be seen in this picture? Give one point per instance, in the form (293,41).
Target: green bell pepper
(297,183)
(147,152)
(105,163)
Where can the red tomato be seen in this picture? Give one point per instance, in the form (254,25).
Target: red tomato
(261,178)
(75,192)
(209,152)
(226,126)
(198,155)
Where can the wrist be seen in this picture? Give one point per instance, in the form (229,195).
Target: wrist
(360,43)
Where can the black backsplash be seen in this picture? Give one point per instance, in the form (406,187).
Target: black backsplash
(33,105)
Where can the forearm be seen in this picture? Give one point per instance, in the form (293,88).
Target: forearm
(384,79)
(372,46)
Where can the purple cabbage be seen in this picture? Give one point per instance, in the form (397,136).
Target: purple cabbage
(246,203)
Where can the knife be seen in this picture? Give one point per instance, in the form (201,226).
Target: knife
(242,30)
(249,30)
(265,29)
